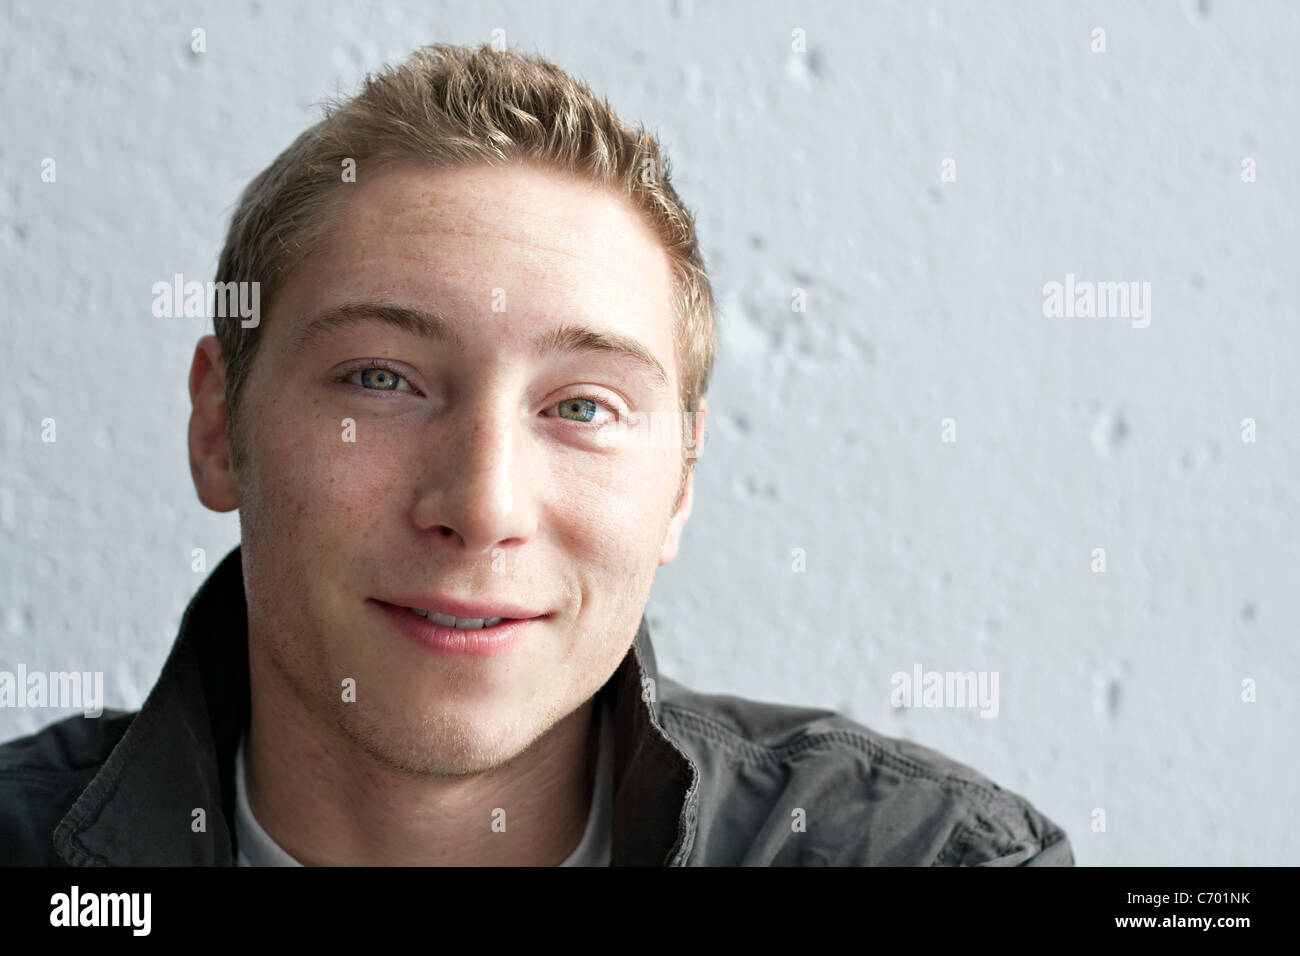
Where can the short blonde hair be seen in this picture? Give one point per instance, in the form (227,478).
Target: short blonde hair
(451,106)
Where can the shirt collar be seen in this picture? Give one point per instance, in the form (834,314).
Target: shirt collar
(166,794)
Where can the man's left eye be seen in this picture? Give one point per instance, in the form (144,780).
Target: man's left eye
(379,379)
(582,409)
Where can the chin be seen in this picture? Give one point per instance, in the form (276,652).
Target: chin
(434,744)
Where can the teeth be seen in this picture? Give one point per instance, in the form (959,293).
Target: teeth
(464,623)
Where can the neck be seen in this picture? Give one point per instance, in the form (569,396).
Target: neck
(327,802)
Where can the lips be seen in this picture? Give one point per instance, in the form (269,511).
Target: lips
(464,615)
(468,642)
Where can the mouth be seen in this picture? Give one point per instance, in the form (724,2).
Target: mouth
(463,615)
(460,623)
(478,636)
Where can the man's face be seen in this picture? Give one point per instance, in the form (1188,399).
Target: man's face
(464,473)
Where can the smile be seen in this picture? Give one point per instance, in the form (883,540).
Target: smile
(464,637)
(461,623)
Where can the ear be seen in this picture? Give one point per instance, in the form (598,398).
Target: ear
(209,439)
(673,537)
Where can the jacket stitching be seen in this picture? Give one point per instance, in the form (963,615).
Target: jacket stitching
(772,754)
(959,843)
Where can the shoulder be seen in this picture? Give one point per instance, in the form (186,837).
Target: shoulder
(41,776)
(812,786)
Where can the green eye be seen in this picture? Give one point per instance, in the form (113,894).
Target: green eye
(583,407)
(592,409)
(379,378)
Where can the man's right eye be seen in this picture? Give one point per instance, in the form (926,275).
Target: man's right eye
(376,378)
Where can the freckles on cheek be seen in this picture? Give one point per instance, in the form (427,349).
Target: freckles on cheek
(320,484)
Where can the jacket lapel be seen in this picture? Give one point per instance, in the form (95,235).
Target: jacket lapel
(655,782)
(166,792)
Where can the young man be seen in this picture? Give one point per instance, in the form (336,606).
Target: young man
(430,647)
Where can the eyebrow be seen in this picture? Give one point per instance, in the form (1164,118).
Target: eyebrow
(435,327)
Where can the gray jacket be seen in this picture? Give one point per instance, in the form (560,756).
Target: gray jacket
(700,779)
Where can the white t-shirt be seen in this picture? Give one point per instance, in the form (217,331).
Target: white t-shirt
(256,848)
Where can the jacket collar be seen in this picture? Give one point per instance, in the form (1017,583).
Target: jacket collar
(166,794)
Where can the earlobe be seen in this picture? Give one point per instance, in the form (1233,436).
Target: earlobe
(673,537)
(209,441)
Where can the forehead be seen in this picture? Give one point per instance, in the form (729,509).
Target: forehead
(480,231)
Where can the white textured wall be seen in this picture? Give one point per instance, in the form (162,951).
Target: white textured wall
(819,171)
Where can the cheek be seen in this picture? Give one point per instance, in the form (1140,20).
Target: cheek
(614,507)
(310,481)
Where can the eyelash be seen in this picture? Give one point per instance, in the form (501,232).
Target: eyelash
(599,399)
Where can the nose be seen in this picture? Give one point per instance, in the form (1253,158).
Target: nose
(477,488)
